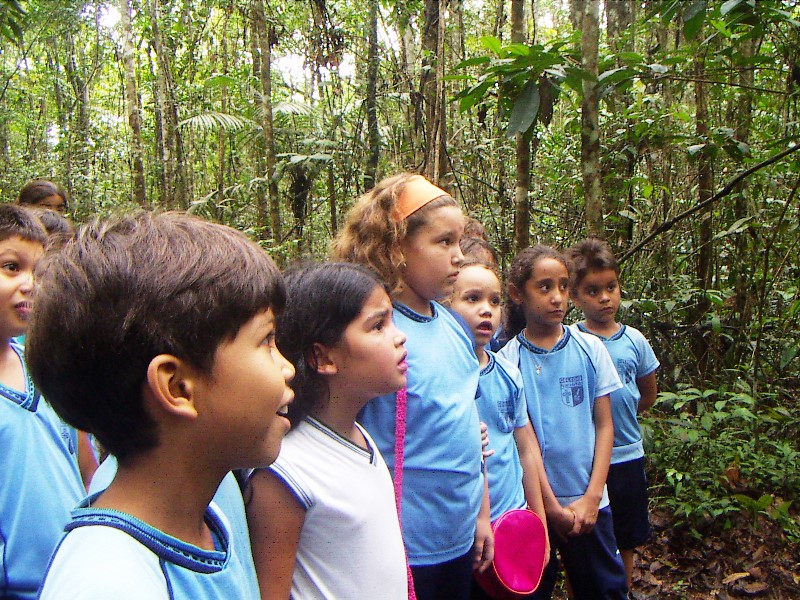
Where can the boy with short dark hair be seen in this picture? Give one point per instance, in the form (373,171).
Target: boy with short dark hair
(39,478)
(595,290)
(155,333)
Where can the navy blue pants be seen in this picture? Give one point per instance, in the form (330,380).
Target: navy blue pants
(450,580)
(592,562)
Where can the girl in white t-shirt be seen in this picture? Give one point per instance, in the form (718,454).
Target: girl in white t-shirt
(323,520)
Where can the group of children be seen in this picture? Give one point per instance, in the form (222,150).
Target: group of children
(187,356)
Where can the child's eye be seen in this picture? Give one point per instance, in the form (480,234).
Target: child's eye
(472,298)
(379,326)
(269,340)
(496,301)
(11,266)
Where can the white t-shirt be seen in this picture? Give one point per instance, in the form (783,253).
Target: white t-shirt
(350,545)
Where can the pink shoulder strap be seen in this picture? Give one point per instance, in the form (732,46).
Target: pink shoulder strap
(401,401)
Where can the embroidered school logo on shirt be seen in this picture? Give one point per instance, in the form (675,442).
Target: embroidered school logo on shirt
(65,435)
(626,369)
(571,390)
(505,409)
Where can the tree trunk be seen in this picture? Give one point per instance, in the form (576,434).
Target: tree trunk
(222,136)
(432,89)
(265,32)
(522,209)
(158,118)
(373,135)
(262,200)
(703,272)
(590,127)
(175,192)
(499,19)
(79,130)
(618,165)
(332,200)
(132,105)
(742,263)
(62,109)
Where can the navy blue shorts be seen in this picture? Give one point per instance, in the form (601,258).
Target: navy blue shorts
(627,493)
(451,580)
(592,562)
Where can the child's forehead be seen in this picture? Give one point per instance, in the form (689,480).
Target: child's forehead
(17,243)
(448,216)
(478,275)
(599,277)
(547,267)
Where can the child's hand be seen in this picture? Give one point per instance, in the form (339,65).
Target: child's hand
(546,546)
(483,549)
(562,522)
(485,440)
(585,515)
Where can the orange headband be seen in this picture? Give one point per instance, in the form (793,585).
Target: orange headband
(416,194)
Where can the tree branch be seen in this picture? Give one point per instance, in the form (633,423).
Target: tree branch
(729,187)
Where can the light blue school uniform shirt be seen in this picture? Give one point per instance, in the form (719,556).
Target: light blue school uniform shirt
(442,480)
(501,405)
(561,386)
(110,554)
(39,485)
(228,498)
(634,358)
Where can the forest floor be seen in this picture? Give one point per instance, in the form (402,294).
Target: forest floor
(746,561)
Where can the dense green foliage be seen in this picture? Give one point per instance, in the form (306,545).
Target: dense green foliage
(716,291)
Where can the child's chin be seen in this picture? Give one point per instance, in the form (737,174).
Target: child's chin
(481,339)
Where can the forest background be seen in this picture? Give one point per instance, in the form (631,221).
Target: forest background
(668,127)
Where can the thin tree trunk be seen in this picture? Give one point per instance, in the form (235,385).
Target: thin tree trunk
(332,200)
(590,126)
(63,117)
(499,19)
(373,135)
(79,131)
(618,166)
(700,346)
(132,105)
(265,31)
(222,137)
(522,209)
(432,89)
(743,117)
(262,200)
(176,192)
(160,149)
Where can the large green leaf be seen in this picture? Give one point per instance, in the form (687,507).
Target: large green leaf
(526,107)
(491,43)
(693,18)
(213,121)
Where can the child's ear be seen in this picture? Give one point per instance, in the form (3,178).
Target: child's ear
(171,382)
(324,360)
(515,294)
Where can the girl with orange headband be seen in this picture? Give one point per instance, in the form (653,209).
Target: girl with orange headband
(408,230)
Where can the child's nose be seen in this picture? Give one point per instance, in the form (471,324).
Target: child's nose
(399,337)
(287,368)
(26,286)
(458,256)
